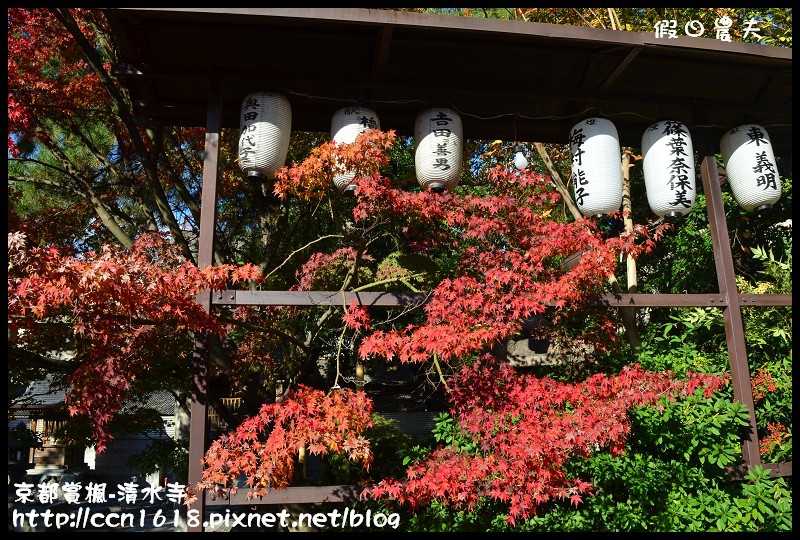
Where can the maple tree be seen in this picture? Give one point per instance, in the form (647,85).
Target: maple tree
(83,173)
(107,286)
(508,270)
(306,418)
(122,304)
(524,429)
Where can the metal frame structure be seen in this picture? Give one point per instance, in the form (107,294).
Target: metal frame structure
(704,132)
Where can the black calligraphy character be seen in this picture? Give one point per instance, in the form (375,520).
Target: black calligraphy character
(763,163)
(441,119)
(244,152)
(679,166)
(579,179)
(679,182)
(250,103)
(368,122)
(580,194)
(577,156)
(767,180)
(673,128)
(677,144)
(441,163)
(441,150)
(247,140)
(756,136)
(681,200)
(577,138)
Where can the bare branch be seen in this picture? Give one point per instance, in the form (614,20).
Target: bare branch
(298,250)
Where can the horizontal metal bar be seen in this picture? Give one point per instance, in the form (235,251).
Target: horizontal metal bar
(291,495)
(660,300)
(765,300)
(389,299)
(776,470)
(316,298)
(779,469)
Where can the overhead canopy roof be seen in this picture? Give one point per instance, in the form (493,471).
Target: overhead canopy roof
(503,77)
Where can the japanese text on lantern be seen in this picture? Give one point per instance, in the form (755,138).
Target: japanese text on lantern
(763,164)
(576,140)
(440,128)
(679,182)
(247,143)
(365,122)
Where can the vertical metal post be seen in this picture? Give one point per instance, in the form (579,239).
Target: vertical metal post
(205,257)
(726,277)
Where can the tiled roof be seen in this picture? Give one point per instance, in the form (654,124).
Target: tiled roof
(45,392)
(49,393)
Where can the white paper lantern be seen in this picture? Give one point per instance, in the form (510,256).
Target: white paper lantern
(596,166)
(751,167)
(346,125)
(266,122)
(438,135)
(668,163)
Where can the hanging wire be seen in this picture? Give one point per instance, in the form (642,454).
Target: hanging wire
(578,114)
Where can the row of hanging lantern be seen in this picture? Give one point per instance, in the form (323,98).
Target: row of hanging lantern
(266,121)
(668,163)
(668,156)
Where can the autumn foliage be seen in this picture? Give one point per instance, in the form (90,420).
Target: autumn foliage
(66,83)
(312,179)
(118,302)
(509,268)
(510,263)
(264,447)
(525,429)
(490,256)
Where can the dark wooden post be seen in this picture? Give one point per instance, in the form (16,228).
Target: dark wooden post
(726,277)
(205,257)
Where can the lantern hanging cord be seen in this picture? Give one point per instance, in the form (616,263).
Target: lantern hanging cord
(425,103)
(340,100)
(517,115)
